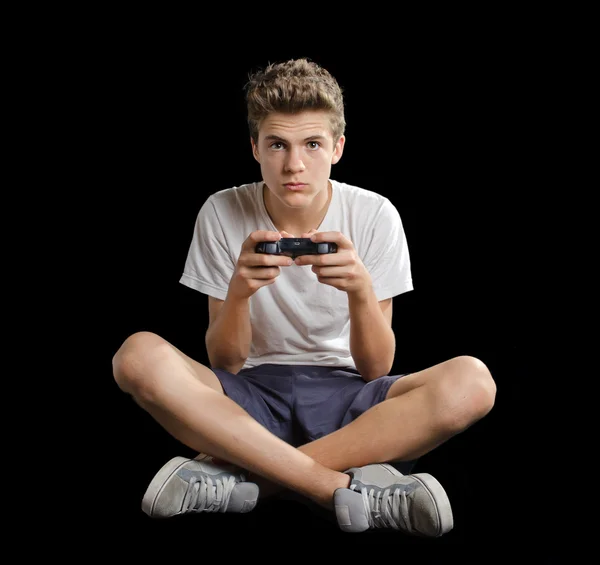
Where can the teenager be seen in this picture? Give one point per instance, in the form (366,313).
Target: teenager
(298,394)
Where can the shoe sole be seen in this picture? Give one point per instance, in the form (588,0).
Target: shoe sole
(440,500)
(157,485)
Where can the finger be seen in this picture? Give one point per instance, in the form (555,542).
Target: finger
(258,236)
(307,260)
(309,233)
(274,260)
(262,273)
(286,234)
(339,258)
(333,236)
(330,272)
(340,283)
(262,260)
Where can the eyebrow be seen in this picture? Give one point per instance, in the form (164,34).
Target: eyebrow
(309,138)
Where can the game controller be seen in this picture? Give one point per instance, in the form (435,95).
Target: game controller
(295,246)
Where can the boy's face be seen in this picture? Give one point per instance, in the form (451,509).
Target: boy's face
(296,152)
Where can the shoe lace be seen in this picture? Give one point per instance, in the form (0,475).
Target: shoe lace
(386,508)
(206,494)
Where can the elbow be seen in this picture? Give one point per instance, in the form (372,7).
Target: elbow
(374,370)
(232,368)
(224,363)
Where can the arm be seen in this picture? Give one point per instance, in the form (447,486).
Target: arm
(229,333)
(372,340)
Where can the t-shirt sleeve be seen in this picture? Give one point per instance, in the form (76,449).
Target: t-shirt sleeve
(209,265)
(387,258)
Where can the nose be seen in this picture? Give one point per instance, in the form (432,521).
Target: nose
(294,163)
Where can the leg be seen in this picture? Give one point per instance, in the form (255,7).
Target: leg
(429,407)
(420,412)
(186,398)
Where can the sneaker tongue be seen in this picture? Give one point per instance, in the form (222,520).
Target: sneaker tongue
(243,497)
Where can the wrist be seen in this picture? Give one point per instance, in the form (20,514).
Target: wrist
(236,299)
(362,294)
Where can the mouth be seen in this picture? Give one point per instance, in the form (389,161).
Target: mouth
(295,186)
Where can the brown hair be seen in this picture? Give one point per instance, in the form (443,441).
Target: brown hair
(290,87)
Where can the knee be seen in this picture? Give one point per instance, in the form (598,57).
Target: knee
(134,360)
(469,390)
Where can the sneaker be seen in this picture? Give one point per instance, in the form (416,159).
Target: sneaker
(198,485)
(379,496)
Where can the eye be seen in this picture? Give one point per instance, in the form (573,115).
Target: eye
(277,145)
(314,144)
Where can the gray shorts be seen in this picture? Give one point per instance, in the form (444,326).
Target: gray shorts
(301,403)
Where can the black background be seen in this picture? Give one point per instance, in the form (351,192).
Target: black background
(453,135)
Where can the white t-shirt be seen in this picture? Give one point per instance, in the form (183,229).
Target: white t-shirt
(297,320)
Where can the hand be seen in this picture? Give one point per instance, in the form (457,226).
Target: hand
(343,270)
(255,270)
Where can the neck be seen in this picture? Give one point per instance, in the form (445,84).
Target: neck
(296,221)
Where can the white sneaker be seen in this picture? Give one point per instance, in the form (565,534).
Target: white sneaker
(198,485)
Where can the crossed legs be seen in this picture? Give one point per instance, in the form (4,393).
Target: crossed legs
(421,411)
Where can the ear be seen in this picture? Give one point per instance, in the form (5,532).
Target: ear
(254,150)
(338,150)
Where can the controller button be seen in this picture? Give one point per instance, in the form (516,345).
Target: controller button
(322,248)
